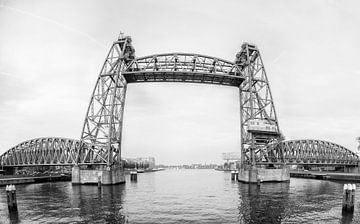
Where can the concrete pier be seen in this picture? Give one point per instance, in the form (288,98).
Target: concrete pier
(259,175)
(106,175)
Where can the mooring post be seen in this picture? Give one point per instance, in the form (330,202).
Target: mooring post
(11,197)
(348,198)
(258,179)
(13,192)
(8,196)
(133,175)
(232,175)
(236,175)
(99,181)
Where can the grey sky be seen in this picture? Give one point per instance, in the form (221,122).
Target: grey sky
(51,53)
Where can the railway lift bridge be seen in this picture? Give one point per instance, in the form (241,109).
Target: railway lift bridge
(98,151)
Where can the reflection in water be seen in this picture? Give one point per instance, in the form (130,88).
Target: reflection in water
(14,217)
(300,201)
(181,196)
(263,204)
(104,204)
(347,218)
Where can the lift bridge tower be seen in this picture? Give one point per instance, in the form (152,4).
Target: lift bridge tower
(102,129)
(259,123)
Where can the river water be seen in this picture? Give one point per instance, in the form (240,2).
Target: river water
(181,196)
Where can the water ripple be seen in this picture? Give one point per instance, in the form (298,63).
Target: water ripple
(185,196)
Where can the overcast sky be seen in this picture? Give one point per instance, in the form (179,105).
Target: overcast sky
(51,53)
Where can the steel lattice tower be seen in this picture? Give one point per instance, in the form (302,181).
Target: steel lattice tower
(256,104)
(103,122)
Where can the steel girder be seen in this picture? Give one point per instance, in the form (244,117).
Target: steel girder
(183,67)
(307,151)
(103,122)
(42,151)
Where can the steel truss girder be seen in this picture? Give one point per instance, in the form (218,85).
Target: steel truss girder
(183,67)
(307,151)
(43,151)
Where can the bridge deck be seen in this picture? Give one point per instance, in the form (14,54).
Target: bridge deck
(183,76)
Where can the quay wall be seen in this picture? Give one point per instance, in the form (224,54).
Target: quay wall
(353,177)
(28,180)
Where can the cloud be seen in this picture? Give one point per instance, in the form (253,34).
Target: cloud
(54,22)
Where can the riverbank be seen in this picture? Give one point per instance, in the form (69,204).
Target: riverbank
(127,171)
(354,177)
(4,180)
(23,179)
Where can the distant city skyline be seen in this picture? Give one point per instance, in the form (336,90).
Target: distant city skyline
(51,53)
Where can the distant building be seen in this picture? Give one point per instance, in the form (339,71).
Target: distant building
(147,160)
(142,162)
(192,166)
(232,160)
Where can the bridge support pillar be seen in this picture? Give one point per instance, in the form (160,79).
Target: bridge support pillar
(255,174)
(108,175)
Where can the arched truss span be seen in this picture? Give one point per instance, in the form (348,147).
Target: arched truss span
(307,151)
(42,151)
(183,67)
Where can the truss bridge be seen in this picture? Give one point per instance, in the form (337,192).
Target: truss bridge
(101,133)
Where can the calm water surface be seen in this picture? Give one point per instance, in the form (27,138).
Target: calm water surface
(181,196)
